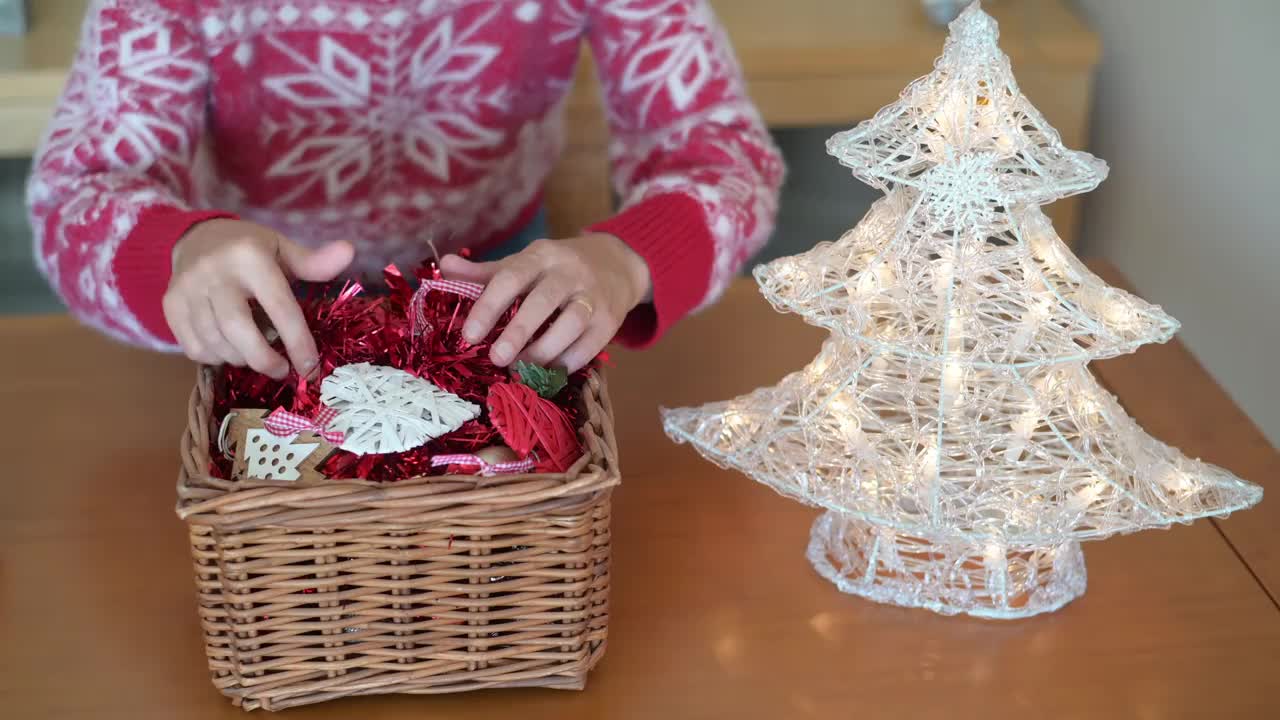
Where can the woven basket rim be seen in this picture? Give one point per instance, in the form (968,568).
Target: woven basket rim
(199,492)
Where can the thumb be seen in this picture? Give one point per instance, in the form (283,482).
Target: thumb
(456,267)
(320,265)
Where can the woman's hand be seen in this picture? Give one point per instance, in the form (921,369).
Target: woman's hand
(593,280)
(218,267)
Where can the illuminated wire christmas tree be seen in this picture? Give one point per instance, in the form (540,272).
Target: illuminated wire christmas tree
(949,426)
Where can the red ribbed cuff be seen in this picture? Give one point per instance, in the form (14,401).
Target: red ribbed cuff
(144,262)
(670,233)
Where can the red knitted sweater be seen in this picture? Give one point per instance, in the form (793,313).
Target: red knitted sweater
(393,124)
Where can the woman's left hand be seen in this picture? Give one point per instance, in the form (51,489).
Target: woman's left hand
(593,280)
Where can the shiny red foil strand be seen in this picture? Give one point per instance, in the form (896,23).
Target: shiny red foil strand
(350,326)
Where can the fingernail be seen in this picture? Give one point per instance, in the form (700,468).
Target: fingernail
(502,353)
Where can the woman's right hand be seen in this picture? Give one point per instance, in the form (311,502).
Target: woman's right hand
(218,267)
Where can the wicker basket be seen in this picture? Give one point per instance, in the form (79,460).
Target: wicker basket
(315,591)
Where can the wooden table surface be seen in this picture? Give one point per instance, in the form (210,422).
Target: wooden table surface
(715,612)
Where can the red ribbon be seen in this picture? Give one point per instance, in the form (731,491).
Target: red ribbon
(283,423)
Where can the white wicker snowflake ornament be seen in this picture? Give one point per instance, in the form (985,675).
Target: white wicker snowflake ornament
(385,410)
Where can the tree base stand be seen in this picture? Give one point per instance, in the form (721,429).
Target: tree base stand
(947,575)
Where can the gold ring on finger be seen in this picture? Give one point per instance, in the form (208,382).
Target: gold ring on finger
(584,303)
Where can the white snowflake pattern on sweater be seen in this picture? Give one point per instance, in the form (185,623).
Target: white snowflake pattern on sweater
(388,123)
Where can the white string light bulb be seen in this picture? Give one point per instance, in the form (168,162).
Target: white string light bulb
(949,426)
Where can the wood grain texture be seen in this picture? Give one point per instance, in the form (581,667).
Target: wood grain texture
(715,613)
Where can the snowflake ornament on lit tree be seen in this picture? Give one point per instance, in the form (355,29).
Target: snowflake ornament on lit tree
(949,426)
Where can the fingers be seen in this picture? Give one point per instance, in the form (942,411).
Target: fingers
(511,281)
(550,273)
(219,266)
(219,328)
(196,328)
(178,315)
(456,267)
(276,297)
(231,308)
(585,348)
(546,298)
(320,265)
(209,336)
(566,329)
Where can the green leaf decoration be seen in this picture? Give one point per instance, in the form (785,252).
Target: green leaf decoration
(547,382)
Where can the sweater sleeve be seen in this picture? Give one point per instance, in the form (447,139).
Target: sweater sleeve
(112,180)
(692,160)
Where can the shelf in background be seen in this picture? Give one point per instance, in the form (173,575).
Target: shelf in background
(33,68)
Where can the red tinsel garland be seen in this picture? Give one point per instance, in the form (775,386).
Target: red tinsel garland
(351,327)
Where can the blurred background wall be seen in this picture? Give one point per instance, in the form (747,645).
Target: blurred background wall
(1187,112)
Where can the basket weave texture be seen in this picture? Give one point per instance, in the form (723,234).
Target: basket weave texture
(311,591)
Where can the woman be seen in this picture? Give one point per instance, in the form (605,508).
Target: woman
(344,135)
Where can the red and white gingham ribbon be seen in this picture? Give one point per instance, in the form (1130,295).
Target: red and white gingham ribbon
(457,287)
(283,423)
(487,468)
